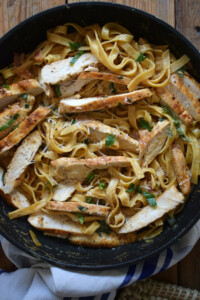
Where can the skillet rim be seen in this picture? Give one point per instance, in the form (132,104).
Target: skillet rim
(188,225)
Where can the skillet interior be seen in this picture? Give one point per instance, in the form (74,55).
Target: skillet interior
(24,38)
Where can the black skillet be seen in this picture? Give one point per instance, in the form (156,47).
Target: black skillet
(26,36)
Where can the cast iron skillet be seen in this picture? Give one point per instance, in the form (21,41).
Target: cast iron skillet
(24,38)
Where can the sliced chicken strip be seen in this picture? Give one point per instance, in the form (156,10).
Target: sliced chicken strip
(21,159)
(14,114)
(79,169)
(29,86)
(24,128)
(16,199)
(168,201)
(102,239)
(63,70)
(70,87)
(77,207)
(53,223)
(185,95)
(191,84)
(99,131)
(63,191)
(72,105)
(167,98)
(152,143)
(181,169)
(105,76)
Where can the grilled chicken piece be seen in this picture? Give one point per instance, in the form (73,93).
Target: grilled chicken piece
(73,105)
(181,169)
(53,223)
(24,128)
(77,207)
(22,158)
(15,114)
(61,71)
(98,131)
(105,76)
(15,198)
(190,83)
(185,95)
(173,102)
(78,169)
(29,86)
(168,201)
(102,239)
(152,143)
(70,87)
(63,191)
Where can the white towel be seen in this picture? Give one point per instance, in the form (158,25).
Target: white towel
(36,280)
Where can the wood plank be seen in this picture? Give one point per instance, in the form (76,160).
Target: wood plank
(168,276)
(188,269)
(188,20)
(12,12)
(5,264)
(162,9)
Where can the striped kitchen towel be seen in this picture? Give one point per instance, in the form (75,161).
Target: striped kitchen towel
(36,280)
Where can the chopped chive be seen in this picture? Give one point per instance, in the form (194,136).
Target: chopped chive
(119,104)
(9,122)
(26,105)
(110,140)
(14,127)
(177,124)
(102,185)
(24,96)
(181,71)
(89,178)
(76,57)
(56,88)
(112,88)
(47,185)
(80,217)
(150,198)
(75,45)
(120,77)
(82,208)
(144,124)
(129,100)
(73,121)
(5,86)
(103,228)
(131,188)
(89,199)
(141,57)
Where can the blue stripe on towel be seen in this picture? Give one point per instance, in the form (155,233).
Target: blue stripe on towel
(105,296)
(129,276)
(148,268)
(2,271)
(168,259)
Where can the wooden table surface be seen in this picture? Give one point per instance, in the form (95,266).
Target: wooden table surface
(182,14)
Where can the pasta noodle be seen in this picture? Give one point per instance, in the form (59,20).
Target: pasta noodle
(109,195)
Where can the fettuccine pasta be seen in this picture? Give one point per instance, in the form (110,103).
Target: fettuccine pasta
(100,168)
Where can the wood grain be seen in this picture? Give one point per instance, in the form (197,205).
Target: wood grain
(12,12)
(163,9)
(188,20)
